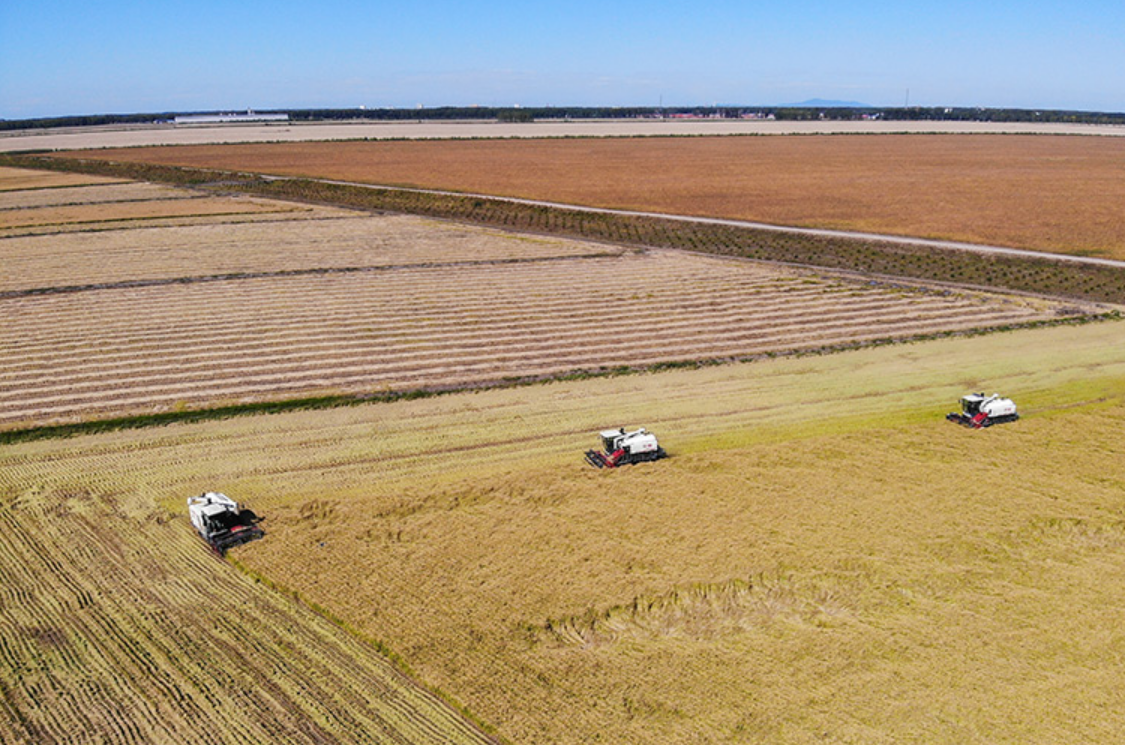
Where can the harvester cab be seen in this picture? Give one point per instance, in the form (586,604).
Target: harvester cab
(620,448)
(221,522)
(979,410)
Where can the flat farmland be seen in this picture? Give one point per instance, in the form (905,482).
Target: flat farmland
(174,345)
(822,558)
(33,204)
(21,179)
(118,625)
(1052,193)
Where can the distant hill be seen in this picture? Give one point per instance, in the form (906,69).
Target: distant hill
(820,103)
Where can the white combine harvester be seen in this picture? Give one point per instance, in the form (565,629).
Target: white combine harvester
(221,522)
(979,410)
(622,448)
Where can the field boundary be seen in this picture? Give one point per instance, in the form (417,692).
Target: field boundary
(888,256)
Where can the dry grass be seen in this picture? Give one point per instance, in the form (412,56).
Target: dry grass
(823,558)
(97,194)
(1060,194)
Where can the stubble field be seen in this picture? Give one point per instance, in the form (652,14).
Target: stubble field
(822,558)
(136,320)
(1060,194)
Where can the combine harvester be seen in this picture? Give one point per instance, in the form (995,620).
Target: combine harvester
(221,522)
(979,410)
(622,448)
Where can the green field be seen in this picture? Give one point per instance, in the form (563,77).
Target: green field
(822,559)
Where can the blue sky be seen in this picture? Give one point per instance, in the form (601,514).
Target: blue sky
(123,56)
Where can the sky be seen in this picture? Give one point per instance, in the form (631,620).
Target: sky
(126,56)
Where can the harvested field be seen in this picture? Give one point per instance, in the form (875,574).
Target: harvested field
(136,350)
(303,241)
(127,322)
(19,179)
(126,191)
(823,557)
(118,625)
(52,211)
(1061,194)
(97,137)
(87,214)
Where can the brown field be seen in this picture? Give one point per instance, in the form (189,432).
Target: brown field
(822,558)
(1063,194)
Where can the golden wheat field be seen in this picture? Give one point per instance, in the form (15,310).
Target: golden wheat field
(822,558)
(1062,194)
(136,319)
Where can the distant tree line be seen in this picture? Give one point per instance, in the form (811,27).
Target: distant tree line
(528,114)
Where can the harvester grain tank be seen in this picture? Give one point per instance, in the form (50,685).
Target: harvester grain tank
(221,522)
(621,448)
(979,410)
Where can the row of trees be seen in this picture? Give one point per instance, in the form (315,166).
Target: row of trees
(514,114)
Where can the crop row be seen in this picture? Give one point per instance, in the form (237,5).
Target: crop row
(157,348)
(297,242)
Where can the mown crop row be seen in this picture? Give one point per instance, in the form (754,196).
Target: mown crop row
(137,349)
(325,241)
(1028,274)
